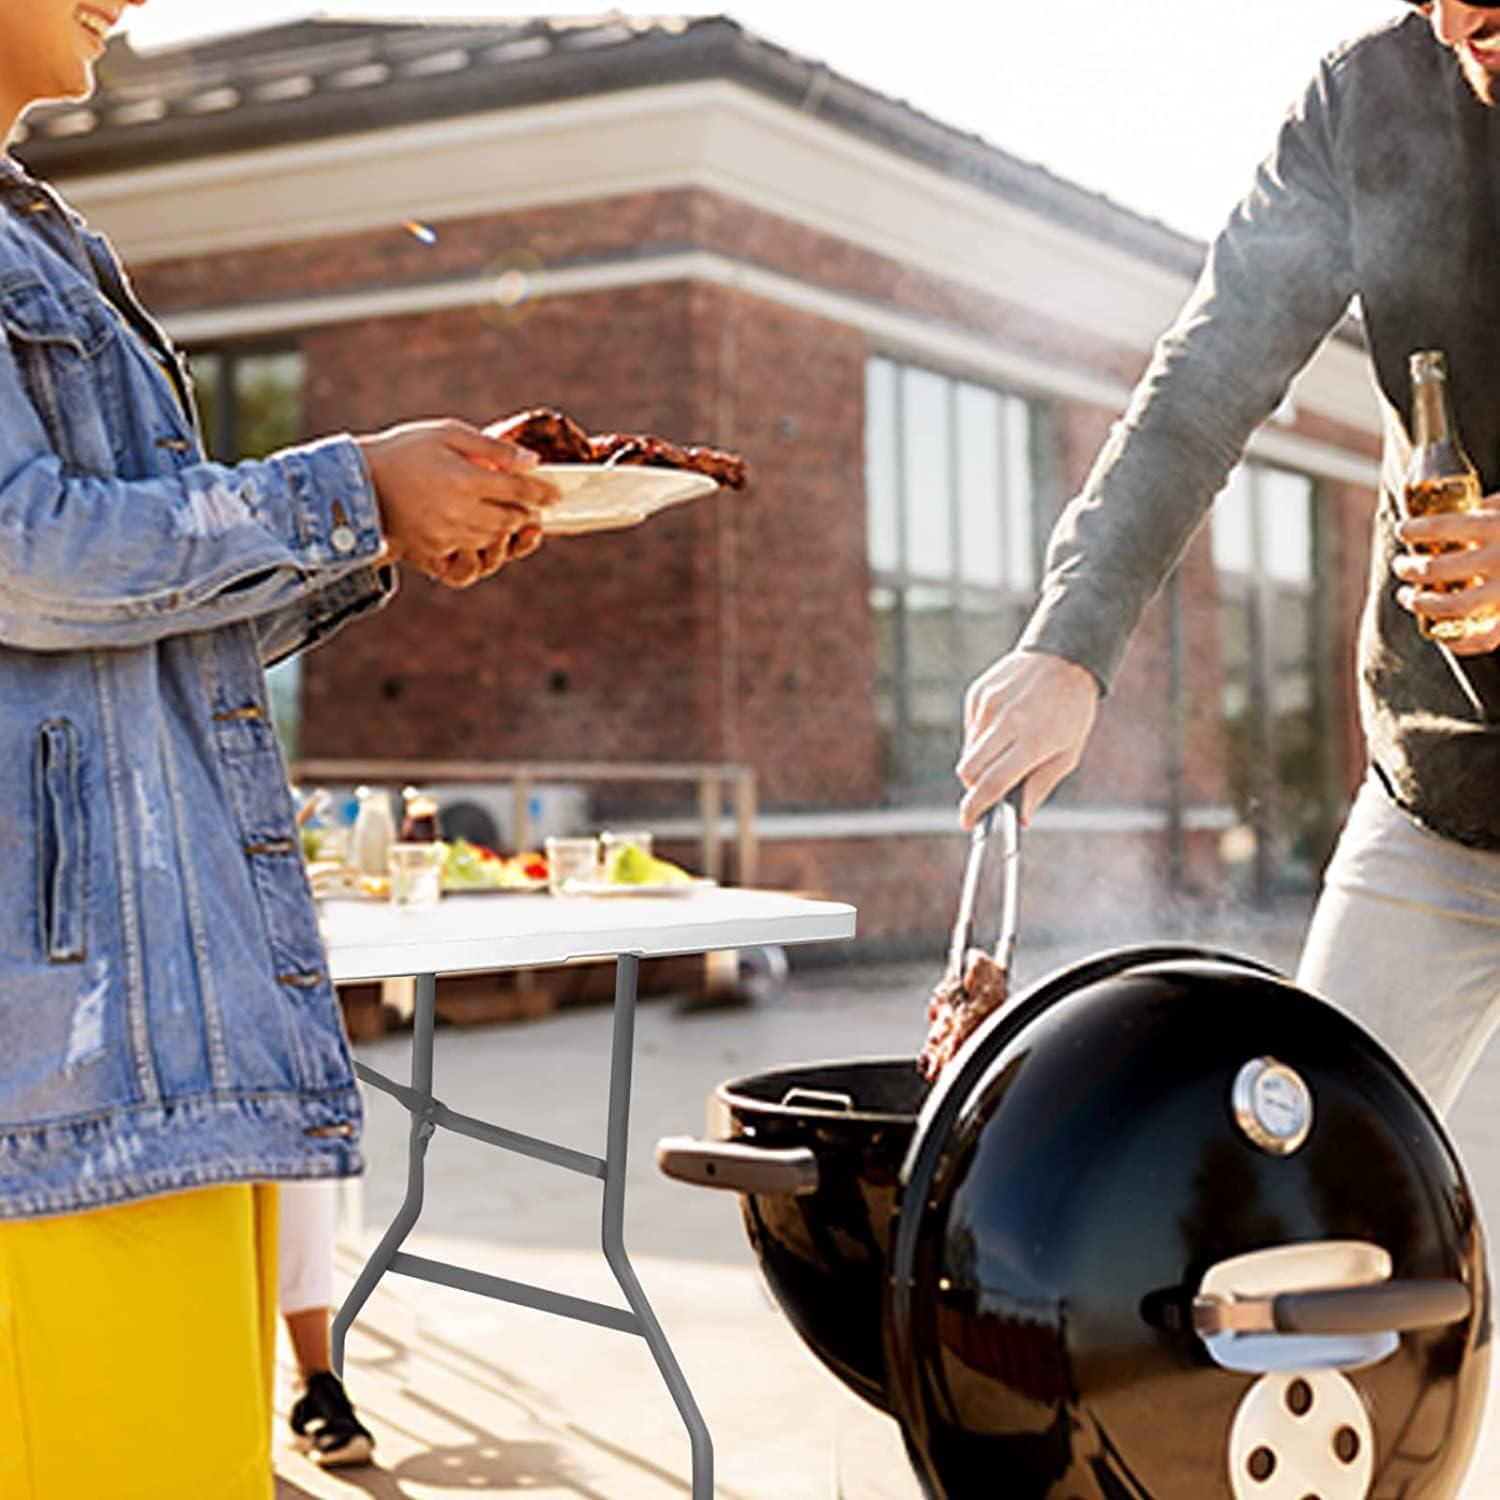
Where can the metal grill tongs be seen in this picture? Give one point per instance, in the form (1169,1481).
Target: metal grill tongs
(1003,821)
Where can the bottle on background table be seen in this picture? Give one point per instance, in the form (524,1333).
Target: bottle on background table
(374,832)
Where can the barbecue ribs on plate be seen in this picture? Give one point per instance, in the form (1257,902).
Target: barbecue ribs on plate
(556,438)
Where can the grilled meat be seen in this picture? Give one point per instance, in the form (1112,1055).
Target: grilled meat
(556,438)
(959,1004)
(622,449)
(552,435)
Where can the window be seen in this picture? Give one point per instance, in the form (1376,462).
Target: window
(250,404)
(1265,554)
(951,491)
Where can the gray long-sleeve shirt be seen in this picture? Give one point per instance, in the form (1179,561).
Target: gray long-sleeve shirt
(1382,185)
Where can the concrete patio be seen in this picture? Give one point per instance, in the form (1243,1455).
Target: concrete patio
(474,1397)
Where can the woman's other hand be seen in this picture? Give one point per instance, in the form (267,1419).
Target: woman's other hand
(447,491)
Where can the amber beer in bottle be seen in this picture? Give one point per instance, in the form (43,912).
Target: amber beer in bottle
(1440,477)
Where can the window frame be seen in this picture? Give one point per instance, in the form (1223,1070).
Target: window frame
(970,645)
(1258,592)
(220,443)
(284,680)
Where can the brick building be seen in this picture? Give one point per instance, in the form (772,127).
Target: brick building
(919,343)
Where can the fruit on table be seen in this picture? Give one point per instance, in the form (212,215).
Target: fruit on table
(469,866)
(631,865)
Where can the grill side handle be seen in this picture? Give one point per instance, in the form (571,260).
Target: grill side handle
(1389,1307)
(790,1172)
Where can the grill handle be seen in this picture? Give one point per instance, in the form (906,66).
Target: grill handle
(791,1172)
(1001,825)
(1386,1307)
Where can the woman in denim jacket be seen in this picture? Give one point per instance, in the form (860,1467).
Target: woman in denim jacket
(167,1022)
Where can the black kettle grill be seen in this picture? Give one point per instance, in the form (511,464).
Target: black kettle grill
(1168,1228)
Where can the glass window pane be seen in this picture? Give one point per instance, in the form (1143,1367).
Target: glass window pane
(1286,502)
(887,657)
(1232,525)
(935,740)
(979,485)
(881,487)
(888,686)
(927,478)
(1291,626)
(268,403)
(1020,496)
(990,627)
(284,689)
(208,382)
(931,636)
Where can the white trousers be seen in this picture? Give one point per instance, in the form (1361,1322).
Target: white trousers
(1406,938)
(309,1211)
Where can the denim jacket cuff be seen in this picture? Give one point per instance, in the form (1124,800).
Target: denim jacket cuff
(337,513)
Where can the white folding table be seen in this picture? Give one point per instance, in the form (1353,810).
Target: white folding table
(468,934)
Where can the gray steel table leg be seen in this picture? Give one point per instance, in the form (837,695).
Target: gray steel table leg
(421,1132)
(626,974)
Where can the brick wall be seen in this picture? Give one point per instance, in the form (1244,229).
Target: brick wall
(738,627)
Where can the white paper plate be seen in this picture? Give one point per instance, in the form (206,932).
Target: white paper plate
(596,497)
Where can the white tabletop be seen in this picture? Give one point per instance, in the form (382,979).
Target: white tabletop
(374,940)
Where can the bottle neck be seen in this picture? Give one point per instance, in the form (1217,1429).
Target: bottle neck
(1432,413)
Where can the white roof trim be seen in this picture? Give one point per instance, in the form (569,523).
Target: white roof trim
(713,135)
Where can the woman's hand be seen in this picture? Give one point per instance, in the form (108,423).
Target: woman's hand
(1459,582)
(453,501)
(460,570)
(1027,720)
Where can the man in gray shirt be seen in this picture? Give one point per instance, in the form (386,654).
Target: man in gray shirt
(1384,185)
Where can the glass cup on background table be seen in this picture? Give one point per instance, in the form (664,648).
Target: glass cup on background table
(416,872)
(571,863)
(617,838)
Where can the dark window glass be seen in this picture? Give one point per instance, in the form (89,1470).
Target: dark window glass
(1265,553)
(951,494)
(250,405)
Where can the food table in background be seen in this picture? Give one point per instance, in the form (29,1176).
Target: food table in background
(369,940)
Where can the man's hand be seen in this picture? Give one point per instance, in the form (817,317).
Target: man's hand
(1461,582)
(1026,719)
(454,503)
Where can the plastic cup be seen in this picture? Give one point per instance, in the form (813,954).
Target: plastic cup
(416,872)
(571,863)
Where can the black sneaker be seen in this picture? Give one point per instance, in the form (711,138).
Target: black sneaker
(324,1425)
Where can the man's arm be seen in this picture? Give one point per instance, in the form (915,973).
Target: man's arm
(1278,278)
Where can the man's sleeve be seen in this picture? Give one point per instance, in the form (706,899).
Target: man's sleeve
(1278,278)
(95,561)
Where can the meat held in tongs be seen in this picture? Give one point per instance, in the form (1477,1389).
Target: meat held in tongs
(976,983)
(957,1007)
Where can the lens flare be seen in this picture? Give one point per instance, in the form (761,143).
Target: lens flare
(513,287)
(420,231)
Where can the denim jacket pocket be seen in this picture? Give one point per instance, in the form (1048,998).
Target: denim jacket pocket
(62,343)
(61,841)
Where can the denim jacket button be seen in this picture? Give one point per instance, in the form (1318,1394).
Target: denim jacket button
(342,539)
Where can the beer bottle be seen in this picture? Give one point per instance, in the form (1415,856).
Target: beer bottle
(1440,477)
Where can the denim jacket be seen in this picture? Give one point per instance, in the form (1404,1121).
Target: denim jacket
(166,1015)
(1384,185)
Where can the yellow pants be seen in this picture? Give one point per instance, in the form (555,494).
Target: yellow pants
(137,1350)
